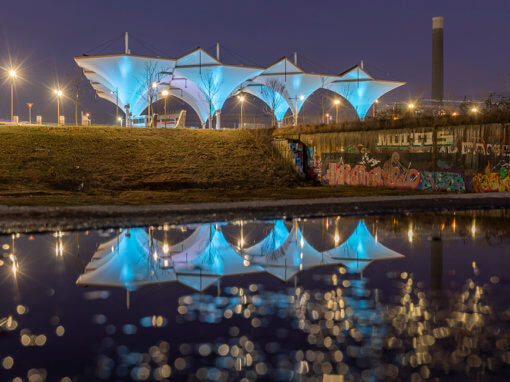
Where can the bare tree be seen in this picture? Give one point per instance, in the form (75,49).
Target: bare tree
(325,83)
(210,87)
(145,85)
(273,94)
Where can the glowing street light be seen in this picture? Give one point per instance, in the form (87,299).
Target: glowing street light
(411,106)
(474,109)
(119,119)
(337,104)
(241,100)
(12,76)
(59,94)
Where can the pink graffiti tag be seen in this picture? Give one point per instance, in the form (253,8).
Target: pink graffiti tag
(358,175)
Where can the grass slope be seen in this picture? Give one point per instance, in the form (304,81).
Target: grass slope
(106,165)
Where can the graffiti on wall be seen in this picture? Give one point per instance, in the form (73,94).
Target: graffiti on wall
(413,139)
(485,149)
(392,174)
(453,159)
(442,181)
(492,180)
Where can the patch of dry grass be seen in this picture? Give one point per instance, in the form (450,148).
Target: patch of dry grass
(106,165)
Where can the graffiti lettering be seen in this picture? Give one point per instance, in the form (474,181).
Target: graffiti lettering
(414,139)
(442,181)
(480,148)
(491,181)
(358,175)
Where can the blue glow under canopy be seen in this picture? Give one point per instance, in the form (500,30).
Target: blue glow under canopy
(124,73)
(361,90)
(274,240)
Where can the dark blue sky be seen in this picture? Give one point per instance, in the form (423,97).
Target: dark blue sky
(393,37)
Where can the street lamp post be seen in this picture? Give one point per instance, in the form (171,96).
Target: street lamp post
(241,99)
(300,98)
(58,93)
(12,75)
(337,104)
(30,104)
(116,92)
(165,94)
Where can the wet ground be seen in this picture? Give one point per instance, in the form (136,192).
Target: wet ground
(416,297)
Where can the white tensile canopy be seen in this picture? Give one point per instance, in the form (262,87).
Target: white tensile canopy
(205,83)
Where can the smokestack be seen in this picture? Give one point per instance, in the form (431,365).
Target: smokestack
(437,59)
(126,43)
(218,51)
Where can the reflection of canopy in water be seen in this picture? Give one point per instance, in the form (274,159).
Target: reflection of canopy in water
(293,256)
(189,248)
(217,259)
(129,265)
(360,250)
(271,242)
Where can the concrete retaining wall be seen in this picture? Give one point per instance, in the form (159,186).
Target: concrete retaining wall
(456,159)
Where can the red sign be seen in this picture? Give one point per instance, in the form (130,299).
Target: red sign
(29,104)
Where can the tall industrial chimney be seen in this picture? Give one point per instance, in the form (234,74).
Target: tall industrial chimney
(437,59)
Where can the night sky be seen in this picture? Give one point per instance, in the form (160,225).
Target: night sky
(392,37)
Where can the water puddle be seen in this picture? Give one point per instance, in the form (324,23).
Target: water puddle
(408,297)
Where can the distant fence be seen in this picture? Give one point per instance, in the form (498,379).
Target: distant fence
(447,158)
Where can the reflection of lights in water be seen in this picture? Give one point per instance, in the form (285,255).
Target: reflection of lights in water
(165,263)
(337,238)
(454,225)
(165,248)
(302,242)
(155,255)
(14,267)
(473,228)
(410,234)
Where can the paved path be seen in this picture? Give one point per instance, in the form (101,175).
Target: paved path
(40,219)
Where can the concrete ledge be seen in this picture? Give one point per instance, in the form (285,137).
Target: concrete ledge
(43,219)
